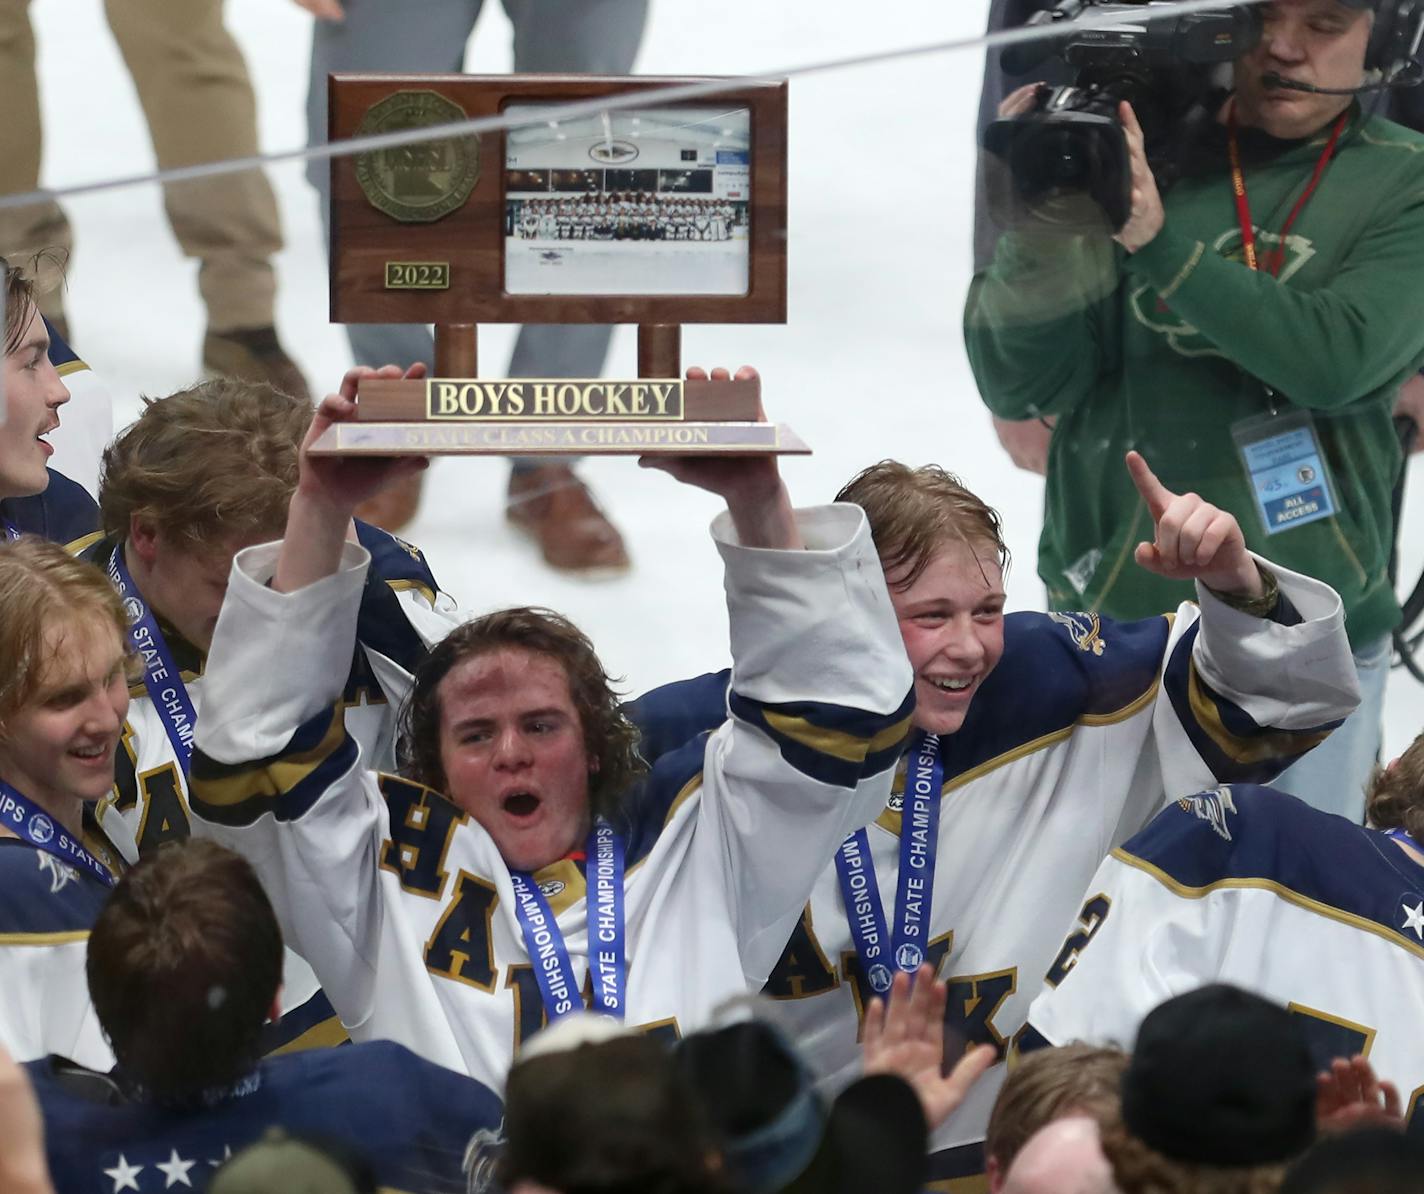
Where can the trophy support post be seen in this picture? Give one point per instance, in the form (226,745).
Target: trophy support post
(456,350)
(659,350)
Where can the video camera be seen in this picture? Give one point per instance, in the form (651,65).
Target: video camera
(1066,162)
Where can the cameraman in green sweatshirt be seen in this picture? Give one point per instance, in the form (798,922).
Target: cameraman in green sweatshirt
(1248,333)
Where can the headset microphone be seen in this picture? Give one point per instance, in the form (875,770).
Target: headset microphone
(1275,82)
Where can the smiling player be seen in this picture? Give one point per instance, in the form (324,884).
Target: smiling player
(1042,741)
(63,698)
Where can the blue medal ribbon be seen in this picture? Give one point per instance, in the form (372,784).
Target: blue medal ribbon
(864,911)
(607,961)
(544,940)
(161,676)
(32,824)
(880,951)
(1403,835)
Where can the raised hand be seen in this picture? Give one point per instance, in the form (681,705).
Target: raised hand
(1147,216)
(1192,539)
(751,485)
(329,488)
(344,482)
(1348,1095)
(905,1037)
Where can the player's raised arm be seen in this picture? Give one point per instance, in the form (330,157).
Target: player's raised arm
(329,488)
(820,699)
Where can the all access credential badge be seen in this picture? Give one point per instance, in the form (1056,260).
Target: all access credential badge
(417,184)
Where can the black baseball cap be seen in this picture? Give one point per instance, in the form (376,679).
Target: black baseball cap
(1220,1076)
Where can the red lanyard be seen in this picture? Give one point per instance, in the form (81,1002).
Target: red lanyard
(1276,257)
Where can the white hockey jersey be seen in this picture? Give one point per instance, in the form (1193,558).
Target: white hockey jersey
(1082,732)
(401,901)
(1249,886)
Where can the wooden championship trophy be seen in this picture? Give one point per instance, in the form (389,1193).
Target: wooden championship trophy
(653,215)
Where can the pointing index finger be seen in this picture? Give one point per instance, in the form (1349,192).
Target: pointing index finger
(1154,493)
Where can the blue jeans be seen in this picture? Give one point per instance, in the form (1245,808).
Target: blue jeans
(1333,776)
(592,36)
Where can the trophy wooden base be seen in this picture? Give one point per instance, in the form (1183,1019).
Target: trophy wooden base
(559,439)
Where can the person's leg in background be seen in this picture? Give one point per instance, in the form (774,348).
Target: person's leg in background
(25,231)
(376,35)
(197,97)
(546,499)
(1332,777)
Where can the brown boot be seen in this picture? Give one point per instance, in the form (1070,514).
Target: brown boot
(555,509)
(394,507)
(254,354)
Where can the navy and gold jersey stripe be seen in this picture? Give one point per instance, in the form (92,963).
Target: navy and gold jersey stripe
(314,1025)
(1057,672)
(287,784)
(835,744)
(1245,836)
(957,1170)
(1229,740)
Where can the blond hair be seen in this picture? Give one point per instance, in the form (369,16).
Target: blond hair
(913,513)
(207,464)
(1049,1084)
(42,586)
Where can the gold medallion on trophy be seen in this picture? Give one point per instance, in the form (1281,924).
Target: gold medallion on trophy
(421,183)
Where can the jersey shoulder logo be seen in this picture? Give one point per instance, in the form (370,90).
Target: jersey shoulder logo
(1214,808)
(1086,631)
(60,874)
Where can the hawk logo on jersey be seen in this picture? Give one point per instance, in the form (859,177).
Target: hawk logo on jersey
(1213,808)
(41,829)
(1086,631)
(549,888)
(60,875)
(896,803)
(482,1158)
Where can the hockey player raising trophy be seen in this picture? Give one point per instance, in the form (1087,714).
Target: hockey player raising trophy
(527,863)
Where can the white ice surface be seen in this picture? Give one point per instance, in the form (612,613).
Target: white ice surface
(869,365)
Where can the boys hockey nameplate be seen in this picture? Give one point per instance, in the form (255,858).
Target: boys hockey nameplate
(558,416)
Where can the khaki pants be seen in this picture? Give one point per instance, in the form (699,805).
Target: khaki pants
(197,98)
